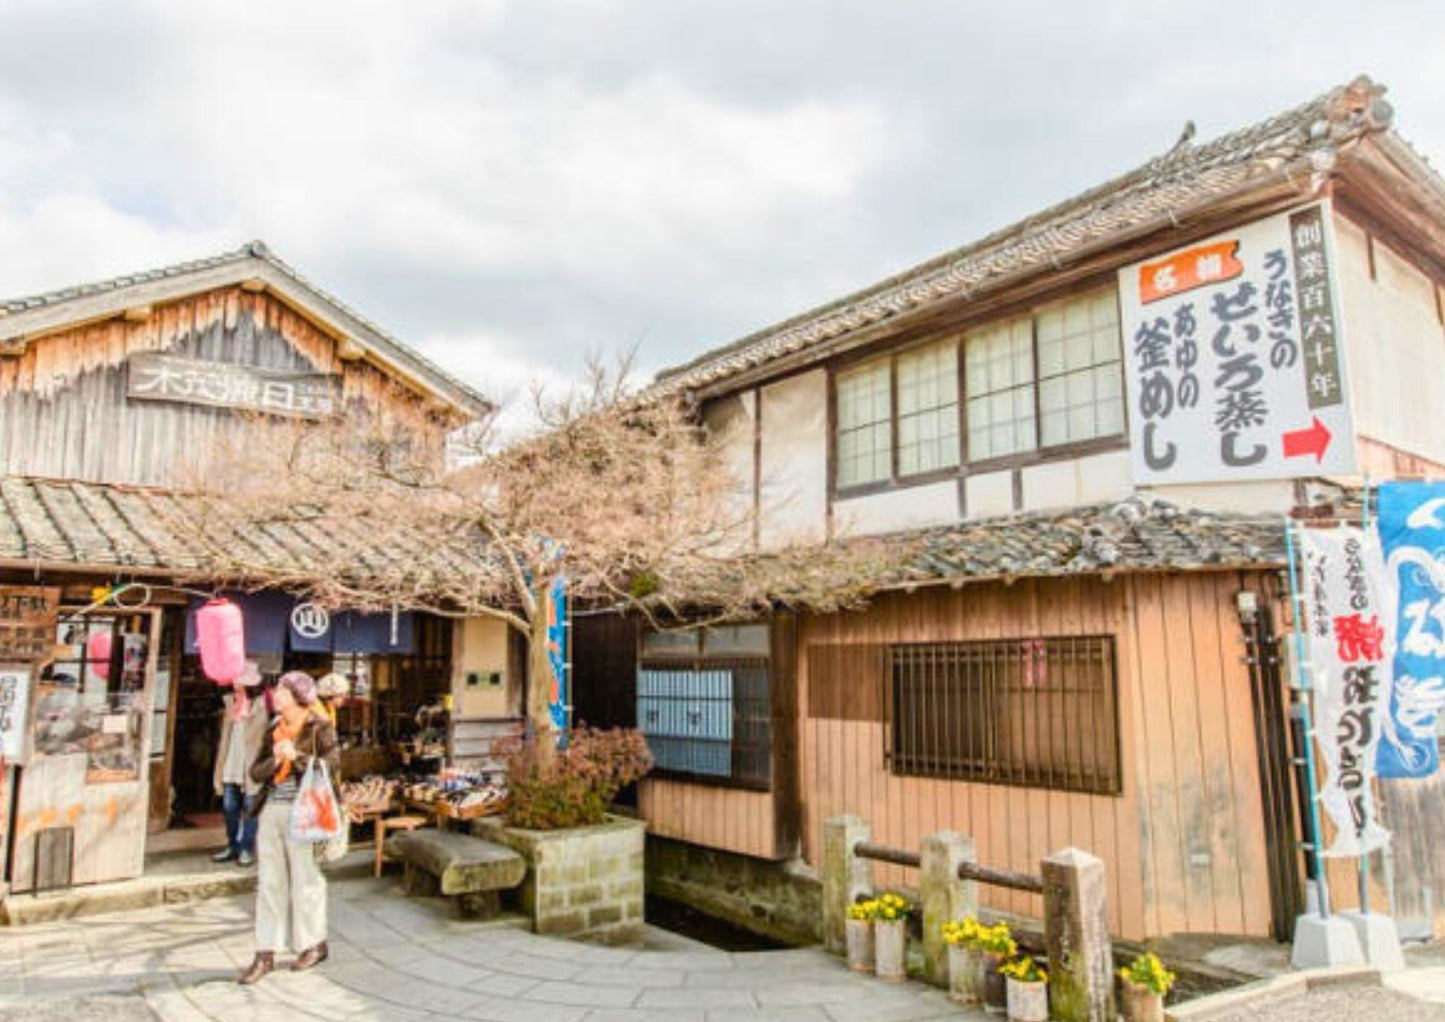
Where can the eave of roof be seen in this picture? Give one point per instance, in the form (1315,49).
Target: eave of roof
(41,314)
(1300,145)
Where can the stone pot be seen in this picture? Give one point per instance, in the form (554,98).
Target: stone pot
(995,993)
(890,942)
(1027,1002)
(965,974)
(859,933)
(1142,1004)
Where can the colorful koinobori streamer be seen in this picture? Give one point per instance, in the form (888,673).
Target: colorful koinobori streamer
(1344,589)
(1411,523)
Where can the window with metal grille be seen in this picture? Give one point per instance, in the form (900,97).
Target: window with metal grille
(1039,712)
(703,704)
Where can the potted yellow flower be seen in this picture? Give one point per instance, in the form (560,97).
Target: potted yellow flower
(890,940)
(997,946)
(859,933)
(1146,982)
(965,961)
(1028,991)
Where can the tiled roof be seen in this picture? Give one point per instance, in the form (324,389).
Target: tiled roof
(256,250)
(116,528)
(1138,534)
(1300,142)
(124,529)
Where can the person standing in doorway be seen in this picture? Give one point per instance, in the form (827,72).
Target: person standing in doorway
(243,730)
(290,888)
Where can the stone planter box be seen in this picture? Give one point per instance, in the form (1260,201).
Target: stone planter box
(585,883)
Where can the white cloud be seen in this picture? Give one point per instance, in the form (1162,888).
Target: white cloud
(506,184)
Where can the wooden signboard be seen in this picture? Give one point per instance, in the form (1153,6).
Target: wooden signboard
(27,623)
(191,381)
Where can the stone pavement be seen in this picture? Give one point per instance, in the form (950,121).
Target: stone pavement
(400,959)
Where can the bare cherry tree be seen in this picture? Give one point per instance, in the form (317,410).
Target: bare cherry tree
(627,497)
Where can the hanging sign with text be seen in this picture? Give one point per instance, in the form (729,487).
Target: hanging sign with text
(1345,595)
(28,617)
(192,381)
(1235,358)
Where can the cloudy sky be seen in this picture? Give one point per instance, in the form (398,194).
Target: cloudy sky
(507,185)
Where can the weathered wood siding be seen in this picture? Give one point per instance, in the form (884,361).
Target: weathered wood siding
(63,406)
(1183,843)
(728,818)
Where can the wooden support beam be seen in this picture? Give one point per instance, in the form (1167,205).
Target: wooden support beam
(254,285)
(137,313)
(348,350)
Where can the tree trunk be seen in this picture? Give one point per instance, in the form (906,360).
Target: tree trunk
(539,688)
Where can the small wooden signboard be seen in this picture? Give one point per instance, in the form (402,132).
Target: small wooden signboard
(28,615)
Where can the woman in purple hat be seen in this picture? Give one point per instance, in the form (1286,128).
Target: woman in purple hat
(290,888)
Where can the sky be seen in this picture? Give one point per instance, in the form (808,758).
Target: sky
(509,185)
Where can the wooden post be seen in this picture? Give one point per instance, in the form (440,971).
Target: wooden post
(1076,933)
(845,876)
(945,897)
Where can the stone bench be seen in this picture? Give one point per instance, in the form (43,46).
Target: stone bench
(469,869)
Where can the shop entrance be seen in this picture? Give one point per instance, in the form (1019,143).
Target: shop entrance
(393,672)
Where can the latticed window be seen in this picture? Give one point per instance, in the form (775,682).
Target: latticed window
(928,409)
(865,414)
(1041,712)
(999,370)
(703,703)
(1081,393)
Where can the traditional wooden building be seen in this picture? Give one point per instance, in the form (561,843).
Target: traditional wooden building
(110,393)
(1082,655)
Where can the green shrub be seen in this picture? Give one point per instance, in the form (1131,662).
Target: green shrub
(577,784)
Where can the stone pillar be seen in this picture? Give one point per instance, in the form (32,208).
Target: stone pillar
(944,895)
(845,876)
(1076,932)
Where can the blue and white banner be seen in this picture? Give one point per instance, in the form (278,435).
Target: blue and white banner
(1411,524)
(558,702)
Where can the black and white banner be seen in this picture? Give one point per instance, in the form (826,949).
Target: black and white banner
(1350,665)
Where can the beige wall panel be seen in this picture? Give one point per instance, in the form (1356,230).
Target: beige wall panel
(910,508)
(794,464)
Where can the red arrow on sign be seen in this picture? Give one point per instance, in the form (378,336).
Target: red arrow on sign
(1313,440)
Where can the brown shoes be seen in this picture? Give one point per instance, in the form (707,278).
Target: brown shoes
(264,962)
(310,958)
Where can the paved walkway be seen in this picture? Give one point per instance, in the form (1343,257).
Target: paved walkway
(394,958)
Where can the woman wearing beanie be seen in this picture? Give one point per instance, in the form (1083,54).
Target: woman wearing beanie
(290,888)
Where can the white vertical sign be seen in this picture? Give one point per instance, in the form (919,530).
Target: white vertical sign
(14,714)
(1344,590)
(1234,356)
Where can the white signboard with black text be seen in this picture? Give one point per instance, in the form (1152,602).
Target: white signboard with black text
(14,714)
(1235,357)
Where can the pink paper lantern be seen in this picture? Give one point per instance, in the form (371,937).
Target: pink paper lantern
(221,636)
(97,652)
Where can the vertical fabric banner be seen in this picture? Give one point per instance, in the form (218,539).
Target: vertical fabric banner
(1411,523)
(556,604)
(1344,586)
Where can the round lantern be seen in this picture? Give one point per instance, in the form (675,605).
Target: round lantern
(97,653)
(221,637)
